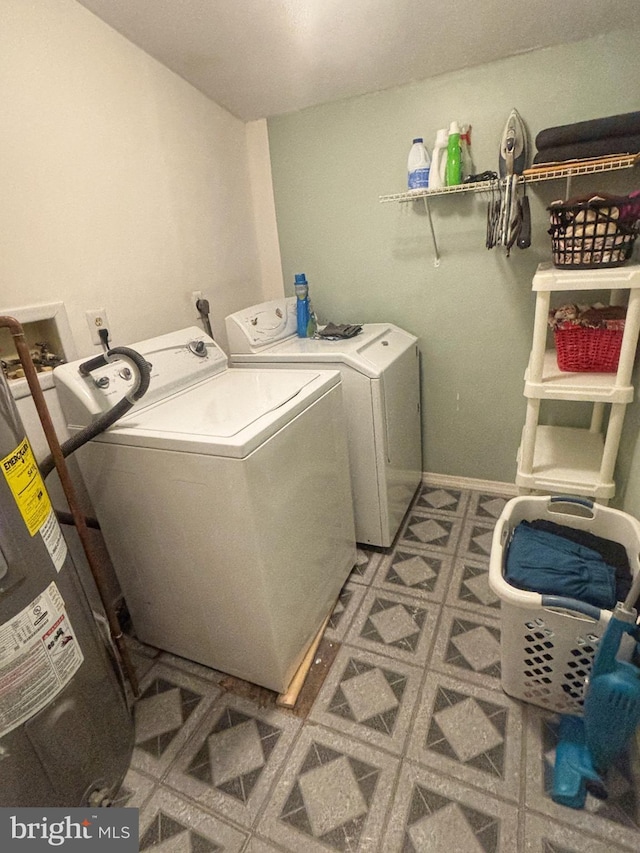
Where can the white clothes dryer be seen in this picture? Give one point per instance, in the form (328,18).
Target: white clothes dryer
(224,500)
(381,384)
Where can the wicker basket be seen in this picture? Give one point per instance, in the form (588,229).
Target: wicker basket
(591,234)
(584,350)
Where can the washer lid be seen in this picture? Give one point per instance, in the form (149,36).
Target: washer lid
(229,414)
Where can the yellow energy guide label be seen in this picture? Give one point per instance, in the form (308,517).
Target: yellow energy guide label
(23,476)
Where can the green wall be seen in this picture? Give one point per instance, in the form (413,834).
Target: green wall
(372,262)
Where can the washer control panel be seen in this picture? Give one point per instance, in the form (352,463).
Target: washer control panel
(177,361)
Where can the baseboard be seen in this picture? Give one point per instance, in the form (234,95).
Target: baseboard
(491,486)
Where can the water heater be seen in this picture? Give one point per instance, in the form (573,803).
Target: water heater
(66,731)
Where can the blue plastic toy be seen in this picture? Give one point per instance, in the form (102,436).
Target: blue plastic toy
(588,745)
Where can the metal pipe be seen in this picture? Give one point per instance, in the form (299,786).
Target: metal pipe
(17,332)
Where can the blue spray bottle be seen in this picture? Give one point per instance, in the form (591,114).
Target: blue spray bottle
(306,321)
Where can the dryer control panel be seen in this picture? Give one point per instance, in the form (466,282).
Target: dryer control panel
(177,361)
(252,329)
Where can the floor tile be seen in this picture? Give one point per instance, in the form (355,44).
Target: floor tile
(542,835)
(142,657)
(468,646)
(348,602)
(442,499)
(367,561)
(485,506)
(333,795)
(369,697)
(434,814)
(469,588)
(171,705)
(231,761)
(432,530)
(192,667)
(172,825)
(134,645)
(135,790)
(470,733)
(257,845)
(416,572)
(475,539)
(396,625)
(616,819)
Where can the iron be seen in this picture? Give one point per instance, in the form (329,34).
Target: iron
(511,163)
(514,147)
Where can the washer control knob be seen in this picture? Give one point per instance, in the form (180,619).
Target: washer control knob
(125,373)
(103,382)
(198,348)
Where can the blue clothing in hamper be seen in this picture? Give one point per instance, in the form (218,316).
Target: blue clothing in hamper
(613,553)
(553,565)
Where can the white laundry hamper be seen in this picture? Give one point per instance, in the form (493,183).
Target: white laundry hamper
(547,642)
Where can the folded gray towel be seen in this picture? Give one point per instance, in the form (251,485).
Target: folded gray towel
(584,150)
(625,124)
(332,332)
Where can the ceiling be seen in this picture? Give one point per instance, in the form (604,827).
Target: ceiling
(261,58)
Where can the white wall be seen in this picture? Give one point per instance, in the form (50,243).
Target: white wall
(122,186)
(264,209)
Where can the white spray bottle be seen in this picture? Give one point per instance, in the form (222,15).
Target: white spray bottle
(439,160)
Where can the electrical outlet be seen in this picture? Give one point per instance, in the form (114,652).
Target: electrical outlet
(195,295)
(96,320)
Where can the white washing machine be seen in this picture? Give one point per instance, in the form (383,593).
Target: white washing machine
(224,499)
(381,385)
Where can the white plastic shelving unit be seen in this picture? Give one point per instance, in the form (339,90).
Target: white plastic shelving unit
(567,459)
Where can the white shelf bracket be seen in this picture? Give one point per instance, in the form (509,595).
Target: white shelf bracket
(436,253)
(567,192)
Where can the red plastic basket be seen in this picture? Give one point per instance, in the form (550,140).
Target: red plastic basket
(584,350)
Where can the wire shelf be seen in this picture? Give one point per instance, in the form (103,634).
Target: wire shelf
(413,195)
(544,172)
(553,171)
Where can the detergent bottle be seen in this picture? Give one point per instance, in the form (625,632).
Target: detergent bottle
(418,166)
(453,171)
(305,317)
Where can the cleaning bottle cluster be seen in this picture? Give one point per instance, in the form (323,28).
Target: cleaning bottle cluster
(451,162)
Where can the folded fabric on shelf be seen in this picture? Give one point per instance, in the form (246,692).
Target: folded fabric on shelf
(625,124)
(543,562)
(597,316)
(628,144)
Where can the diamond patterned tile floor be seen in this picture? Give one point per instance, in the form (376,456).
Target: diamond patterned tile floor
(411,746)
